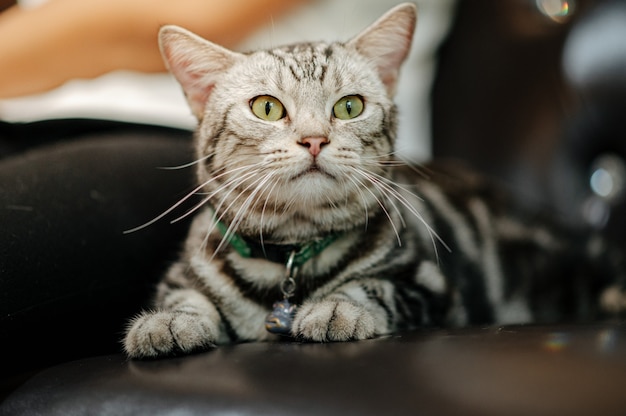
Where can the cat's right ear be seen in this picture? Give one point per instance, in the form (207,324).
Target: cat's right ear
(387,42)
(195,62)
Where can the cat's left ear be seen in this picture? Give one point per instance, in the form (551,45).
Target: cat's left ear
(387,42)
(195,62)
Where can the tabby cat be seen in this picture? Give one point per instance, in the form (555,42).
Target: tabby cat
(309,227)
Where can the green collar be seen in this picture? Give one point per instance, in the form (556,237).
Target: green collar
(278,253)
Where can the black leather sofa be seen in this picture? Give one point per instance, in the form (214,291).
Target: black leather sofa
(535,370)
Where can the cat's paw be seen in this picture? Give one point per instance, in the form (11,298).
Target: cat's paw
(333,320)
(157,334)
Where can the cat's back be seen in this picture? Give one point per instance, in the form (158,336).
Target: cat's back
(456,186)
(476,220)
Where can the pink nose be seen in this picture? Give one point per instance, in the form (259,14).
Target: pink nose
(314,144)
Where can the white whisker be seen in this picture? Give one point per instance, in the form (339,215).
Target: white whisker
(186,165)
(385,161)
(238,217)
(380,204)
(251,199)
(170,209)
(390,189)
(358,186)
(213,194)
(232,184)
(262,220)
(182,200)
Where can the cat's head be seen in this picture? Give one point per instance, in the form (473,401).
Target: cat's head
(301,129)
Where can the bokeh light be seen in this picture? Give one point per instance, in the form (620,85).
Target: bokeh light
(559,11)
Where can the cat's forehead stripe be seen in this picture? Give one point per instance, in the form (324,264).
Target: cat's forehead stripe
(306,61)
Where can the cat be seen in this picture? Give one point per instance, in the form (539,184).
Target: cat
(309,227)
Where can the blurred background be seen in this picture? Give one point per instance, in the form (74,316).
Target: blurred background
(533,92)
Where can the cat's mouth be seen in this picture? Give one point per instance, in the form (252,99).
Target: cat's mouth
(313,169)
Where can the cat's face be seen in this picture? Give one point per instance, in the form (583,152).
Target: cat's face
(301,133)
(307,116)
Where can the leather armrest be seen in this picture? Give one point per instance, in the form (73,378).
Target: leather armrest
(509,370)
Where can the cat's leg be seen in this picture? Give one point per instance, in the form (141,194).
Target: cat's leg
(186,321)
(354,311)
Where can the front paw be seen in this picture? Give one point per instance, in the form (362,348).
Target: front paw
(333,320)
(157,334)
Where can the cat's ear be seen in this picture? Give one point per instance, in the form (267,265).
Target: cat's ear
(195,62)
(387,42)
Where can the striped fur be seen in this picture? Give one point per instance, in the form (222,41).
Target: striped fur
(441,247)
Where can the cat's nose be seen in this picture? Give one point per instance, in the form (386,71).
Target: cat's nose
(314,144)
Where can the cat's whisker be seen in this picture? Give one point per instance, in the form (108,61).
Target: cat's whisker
(383,190)
(262,220)
(391,187)
(385,161)
(420,170)
(394,188)
(167,211)
(233,184)
(195,191)
(288,206)
(209,197)
(394,185)
(230,231)
(380,204)
(227,189)
(434,237)
(358,187)
(392,163)
(187,165)
(385,157)
(252,200)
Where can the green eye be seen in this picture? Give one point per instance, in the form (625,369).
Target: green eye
(348,107)
(267,108)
